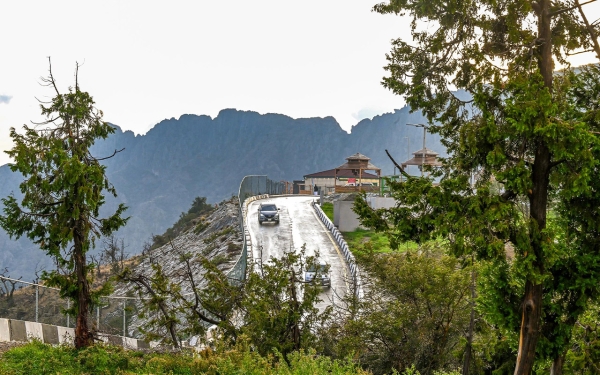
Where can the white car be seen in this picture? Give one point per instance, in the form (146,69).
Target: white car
(311,272)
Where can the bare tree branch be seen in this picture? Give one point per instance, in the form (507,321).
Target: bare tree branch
(577,5)
(589,27)
(398,166)
(108,157)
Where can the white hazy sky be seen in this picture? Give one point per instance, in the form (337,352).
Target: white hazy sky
(144,61)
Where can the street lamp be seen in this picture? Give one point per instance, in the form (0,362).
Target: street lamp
(424,133)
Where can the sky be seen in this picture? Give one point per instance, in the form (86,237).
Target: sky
(145,61)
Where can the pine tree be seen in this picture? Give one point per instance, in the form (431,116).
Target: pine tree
(523,133)
(63,193)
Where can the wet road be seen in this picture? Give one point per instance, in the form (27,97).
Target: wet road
(298,225)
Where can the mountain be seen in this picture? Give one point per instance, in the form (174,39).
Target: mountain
(157,175)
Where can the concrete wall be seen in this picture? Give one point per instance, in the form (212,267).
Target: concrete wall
(381,202)
(19,330)
(344,218)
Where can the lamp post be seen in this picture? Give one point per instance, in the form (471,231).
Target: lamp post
(424,133)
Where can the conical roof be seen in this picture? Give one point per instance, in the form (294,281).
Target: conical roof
(359,161)
(358,156)
(424,156)
(425,151)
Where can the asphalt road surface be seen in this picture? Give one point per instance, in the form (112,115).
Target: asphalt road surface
(298,225)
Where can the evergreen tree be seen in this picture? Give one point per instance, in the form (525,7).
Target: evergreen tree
(63,193)
(523,127)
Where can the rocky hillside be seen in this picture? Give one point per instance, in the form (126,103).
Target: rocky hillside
(215,237)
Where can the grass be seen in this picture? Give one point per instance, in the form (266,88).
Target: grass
(38,358)
(361,240)
(327,208)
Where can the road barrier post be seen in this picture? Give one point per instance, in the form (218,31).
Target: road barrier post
(37,302)
(124,317)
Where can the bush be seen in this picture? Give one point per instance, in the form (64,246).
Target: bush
(37,358)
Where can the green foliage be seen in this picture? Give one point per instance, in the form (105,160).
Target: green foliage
(521,125)
(327,208)
(37,358)
(363,241)
(584,355)
(63,193)
(412,371)
(274,308)
(280,310)
(414,312)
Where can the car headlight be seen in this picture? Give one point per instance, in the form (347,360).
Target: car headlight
(261,215)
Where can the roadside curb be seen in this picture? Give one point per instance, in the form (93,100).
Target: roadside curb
(351,262)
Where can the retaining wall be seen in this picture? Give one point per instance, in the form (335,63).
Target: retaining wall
(19,330)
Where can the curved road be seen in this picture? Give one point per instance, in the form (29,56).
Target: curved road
(298,225)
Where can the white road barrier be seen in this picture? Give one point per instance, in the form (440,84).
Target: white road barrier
(345,249)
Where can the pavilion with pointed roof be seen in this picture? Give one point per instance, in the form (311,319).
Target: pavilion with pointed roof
(424,156)
(357,165)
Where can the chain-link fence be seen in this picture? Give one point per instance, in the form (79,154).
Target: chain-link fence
(258,185)
(33,302)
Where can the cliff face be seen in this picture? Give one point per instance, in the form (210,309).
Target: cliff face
(157,175)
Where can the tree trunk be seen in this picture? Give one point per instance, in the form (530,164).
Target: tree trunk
(469,348)
(538,200)
(557,365)
(530,328)
(83,336)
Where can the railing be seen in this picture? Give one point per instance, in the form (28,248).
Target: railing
(350,261)
(111,316)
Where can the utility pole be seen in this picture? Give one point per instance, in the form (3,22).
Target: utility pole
(424,133)
(407,153)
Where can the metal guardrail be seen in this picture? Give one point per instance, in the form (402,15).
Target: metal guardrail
(351,262)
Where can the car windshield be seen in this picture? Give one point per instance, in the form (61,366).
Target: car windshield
(313,268)
(268,207)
